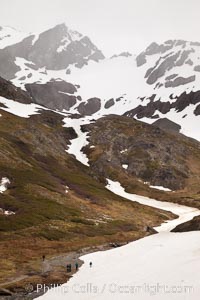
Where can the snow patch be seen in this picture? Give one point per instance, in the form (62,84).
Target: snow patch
(161,188)
(185,213)
(123,151)
(109,83)
(6,212)
(81,141)
(125,166)
(66,189)
(3,184)
(70,37)
(35,39)
(157,187)
(64,43)
(20,109)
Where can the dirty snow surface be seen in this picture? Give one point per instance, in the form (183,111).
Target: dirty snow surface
(160,266)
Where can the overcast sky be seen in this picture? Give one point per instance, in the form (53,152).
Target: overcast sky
(113,25)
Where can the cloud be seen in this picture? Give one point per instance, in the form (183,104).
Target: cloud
(114,25)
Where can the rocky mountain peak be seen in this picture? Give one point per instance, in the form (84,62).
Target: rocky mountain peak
(161,82)
(53,49)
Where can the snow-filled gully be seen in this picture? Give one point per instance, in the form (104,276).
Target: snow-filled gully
(78,143)
(161,266)
(185,213)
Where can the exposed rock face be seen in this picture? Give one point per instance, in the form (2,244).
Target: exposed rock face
(8,68)
(170,77)
(151,154)
(45,52)
(167,70)
(197,110)
(192,225)
(189,62)
(141,60)
(180,81)
(154,48)
(160,60)
(165,64)
(159,70)
(164,107)
(168,125)
(90,107)
(55,49)
(197,68)
(54,94)
(9,91)
(109,103)
(123,54)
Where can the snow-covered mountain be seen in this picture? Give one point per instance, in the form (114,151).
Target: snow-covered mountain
(10,36)
(54,49)
(161,82)
(63,166)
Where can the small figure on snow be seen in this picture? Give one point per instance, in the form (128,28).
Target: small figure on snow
(76,266)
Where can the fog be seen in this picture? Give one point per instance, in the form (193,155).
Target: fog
(113,25)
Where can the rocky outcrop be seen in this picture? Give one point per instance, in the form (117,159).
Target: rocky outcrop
(154,48)
(179,81)
(197,110)
(183,57)
(170,77)
(9,91)
(54,49)
(160,61)
(167,125)
(45,51)
(197,68)
(54,94)
(109,103)
(123,54)
(159,70)
(181,102)
(90,107)
(151,154)
(8,68)
(192,225)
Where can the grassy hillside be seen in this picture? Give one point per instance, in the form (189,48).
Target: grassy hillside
(48,220)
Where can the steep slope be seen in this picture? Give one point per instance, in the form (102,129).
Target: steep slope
(9,91)
(145,158)
(54,49)
(57,95)
(161,82)
(58,204)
